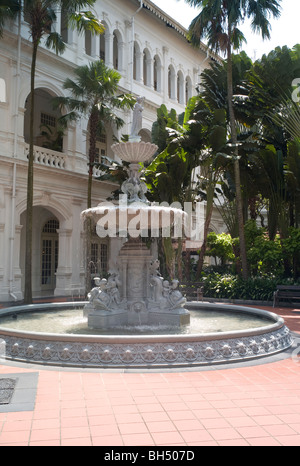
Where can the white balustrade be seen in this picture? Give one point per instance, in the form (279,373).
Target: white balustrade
(47,157)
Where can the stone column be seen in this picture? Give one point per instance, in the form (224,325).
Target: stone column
(3,293)
(95,46)
(77,279)
(134,260)
(109,50)
(64,269)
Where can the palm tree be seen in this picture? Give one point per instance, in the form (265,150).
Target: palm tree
(269,84)
(40,15)
(93,94)
(218,21)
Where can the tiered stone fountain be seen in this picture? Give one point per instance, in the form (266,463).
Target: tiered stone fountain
(135,293)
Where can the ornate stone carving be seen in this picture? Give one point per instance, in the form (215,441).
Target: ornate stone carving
(160,353)
(105,295)
(163,295)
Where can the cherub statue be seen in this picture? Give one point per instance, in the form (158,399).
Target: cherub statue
(98,297)
(113,284)
(176,298)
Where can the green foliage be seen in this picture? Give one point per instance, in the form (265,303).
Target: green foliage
(265,256)
(166,121)
(220,246)
(291,250)
(233,287)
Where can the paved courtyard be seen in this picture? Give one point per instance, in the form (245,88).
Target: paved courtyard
(251,404)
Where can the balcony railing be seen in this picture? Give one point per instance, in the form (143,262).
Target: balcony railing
(51,158)
(47,157)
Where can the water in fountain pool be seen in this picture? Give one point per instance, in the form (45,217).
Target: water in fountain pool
(71,321)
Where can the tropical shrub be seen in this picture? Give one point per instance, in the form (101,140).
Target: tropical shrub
(265,256)
(220,246)
(234,287)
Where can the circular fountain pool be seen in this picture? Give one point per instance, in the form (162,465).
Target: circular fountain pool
(57,334)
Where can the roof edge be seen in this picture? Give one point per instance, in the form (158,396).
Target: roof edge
(162,15)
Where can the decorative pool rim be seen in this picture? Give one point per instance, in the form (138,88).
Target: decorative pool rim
(146,351)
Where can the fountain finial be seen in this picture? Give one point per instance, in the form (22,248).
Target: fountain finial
(137,119)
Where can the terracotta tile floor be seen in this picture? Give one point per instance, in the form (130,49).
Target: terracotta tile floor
(236,405)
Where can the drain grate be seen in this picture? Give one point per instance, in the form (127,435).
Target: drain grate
(7,388)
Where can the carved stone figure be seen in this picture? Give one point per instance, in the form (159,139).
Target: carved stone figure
(98,297)
(137,119)
(135,190)
(105,295)
(164,296)
(112,289)
(176,298)
(156,282)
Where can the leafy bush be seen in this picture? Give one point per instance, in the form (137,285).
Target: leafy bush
(264,256)
(220,246)
(235,287)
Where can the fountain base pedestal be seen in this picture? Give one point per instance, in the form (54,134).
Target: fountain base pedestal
(137,315)
(177,318)
(136,294)
(105,320)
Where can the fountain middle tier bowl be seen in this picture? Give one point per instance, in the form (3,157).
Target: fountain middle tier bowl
(134,152)
(136,217)
(224,334)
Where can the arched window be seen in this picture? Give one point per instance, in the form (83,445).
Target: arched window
(51,226)
(147,68)
(64,26)
(171,82)
(118,46)
(88,43)
(180,87)
(116,58)
(102,47)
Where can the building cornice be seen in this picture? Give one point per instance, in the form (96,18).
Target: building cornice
(147,4)
(172,23)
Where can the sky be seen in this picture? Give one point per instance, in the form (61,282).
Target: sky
(285,30)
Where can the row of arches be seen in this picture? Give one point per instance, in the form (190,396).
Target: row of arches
(147,67)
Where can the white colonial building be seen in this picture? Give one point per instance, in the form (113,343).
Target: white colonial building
(155,60)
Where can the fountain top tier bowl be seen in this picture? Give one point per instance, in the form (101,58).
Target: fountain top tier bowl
(134,151)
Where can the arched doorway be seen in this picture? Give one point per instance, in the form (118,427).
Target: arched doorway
(45,250)
(49,254)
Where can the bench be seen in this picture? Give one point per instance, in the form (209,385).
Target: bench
(286,294)
(193,291)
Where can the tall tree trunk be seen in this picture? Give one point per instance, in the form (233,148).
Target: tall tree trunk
(237,176)
(179,260)
(92,154)
(169,256)
(29,211)
(209,210)
(89,222)
(187,265)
